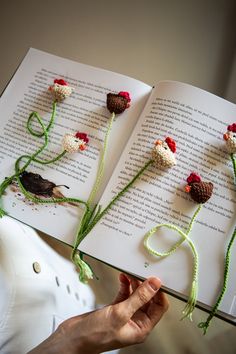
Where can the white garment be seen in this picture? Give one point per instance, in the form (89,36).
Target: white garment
(38,289)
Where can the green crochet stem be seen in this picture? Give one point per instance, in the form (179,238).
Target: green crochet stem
(45,129)
(99,214)
(205,325)
(88,215)
(102,163)
(189,308)
(234,166)
(35,114)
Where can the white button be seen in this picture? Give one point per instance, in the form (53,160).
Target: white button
(36,267)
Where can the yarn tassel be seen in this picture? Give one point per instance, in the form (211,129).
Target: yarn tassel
(85,271)
(190,306)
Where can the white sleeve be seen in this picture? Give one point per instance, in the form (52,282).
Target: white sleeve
(39,289)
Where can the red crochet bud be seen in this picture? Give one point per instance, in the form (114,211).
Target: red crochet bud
(125,94)
(232,128)
(82,136)
(60,82)
(193,178)
(171,143)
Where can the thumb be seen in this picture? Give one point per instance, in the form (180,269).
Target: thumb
(141,296)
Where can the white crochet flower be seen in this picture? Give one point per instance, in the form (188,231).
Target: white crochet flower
(230,138)
(72,144)
(162,155)
(60,89)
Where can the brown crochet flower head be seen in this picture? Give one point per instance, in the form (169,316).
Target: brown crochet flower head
(118,103)
(199,191)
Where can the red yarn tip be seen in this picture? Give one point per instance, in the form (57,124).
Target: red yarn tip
(60,82)
(232,128)
(82,136)
(125,94)
(193,178)
(171,143)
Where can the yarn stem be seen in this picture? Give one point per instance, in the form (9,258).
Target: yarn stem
(102,162)
(104,211)
(234,166)
(85,269)
(87,215)
(205,325)
(35,114)
(44,162)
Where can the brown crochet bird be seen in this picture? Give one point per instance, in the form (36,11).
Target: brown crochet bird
(118,103)
(199,191)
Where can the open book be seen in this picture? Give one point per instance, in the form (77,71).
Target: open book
(194,118)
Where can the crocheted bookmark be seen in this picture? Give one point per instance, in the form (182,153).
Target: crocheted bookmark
(162,157)
(71,143)
(116,104)
(230,139)
(200,192)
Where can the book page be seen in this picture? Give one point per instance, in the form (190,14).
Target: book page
(196,120)
(85,111)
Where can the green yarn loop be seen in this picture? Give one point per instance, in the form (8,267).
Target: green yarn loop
(192,298)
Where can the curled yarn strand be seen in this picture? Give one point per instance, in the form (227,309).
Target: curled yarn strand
(192,298)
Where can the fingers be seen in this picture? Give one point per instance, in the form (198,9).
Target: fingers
(135,283)
(157,308)
(141,296)
(128,285)
(124,290)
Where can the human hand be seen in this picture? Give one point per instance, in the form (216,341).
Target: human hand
(137,308)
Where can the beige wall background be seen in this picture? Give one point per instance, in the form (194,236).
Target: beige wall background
(185,40)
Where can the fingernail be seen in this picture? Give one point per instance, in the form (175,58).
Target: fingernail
(154,284)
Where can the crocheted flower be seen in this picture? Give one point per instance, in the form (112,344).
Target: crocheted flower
(230,138)
(75,142)
(199,191)
(60,89)
(163,153)
(118,103)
